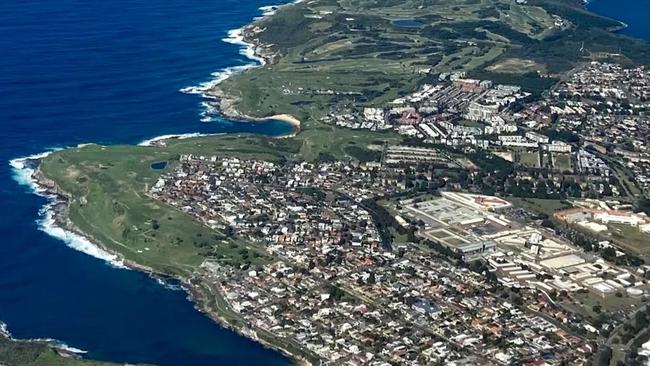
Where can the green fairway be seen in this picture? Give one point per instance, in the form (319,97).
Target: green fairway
(326,53)
(109,187)
(110,203)
(333,52)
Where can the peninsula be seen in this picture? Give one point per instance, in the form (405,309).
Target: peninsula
(432,208)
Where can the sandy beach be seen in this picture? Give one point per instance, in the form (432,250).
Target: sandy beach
(295,122)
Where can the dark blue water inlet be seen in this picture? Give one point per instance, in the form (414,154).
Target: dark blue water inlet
(159,165)
(634,13)
(110,72)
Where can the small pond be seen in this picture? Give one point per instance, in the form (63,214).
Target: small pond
(159,165)
(407,23)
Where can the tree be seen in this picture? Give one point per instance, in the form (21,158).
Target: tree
(336,293)
(596,308)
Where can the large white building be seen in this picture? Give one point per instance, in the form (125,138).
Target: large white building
(539,138)
(620,218)
(480,112)
(558,146)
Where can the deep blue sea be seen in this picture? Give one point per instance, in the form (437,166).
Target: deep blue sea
(634,13)
(72,72)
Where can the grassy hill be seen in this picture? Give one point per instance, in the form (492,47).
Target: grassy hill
(108,188)
(329,52)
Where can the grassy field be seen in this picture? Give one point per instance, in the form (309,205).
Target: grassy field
(353,52)
(631,238)
(529,159)
(516,66)
(607,304)
(344,52)
(562,162)
(109,188)
(548,207)
(22,353)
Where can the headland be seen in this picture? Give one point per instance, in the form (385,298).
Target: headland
(319,61)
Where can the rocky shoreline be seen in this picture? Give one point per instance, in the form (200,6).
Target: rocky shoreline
(60,208)
(224,103)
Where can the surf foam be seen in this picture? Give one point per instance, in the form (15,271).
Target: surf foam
(236,37)
(52,342)
(23,170)
(59,345)
(168,285)
(4,330)
(75,241)
(182,136)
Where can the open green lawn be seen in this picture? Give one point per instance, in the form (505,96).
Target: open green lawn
(612,303)
(319,139)
(562,162)
(548,207)
(346,52)
(109,187)
(516,66)
(529,159)
(631,238)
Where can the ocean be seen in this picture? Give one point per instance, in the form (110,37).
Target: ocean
(111,72)
(74,72)
(634,13)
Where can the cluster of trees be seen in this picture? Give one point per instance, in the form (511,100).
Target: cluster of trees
(643,205)
(589,243)
(362,154)
(531,82)
(336,293)
(635,329)
(561,135)
(543,189)
(384,221)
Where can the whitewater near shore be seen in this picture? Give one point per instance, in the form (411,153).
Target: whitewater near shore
(216,101)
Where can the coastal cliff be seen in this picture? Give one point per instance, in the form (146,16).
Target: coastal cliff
(204,295)
(226,103)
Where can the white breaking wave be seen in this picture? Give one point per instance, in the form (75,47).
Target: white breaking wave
(209,111)
(60,345)
(236,37)
(53,342)
(4,330)
(47,224)
(182,136)
(23,169)
(218,78)
(167,285)
(268,10)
